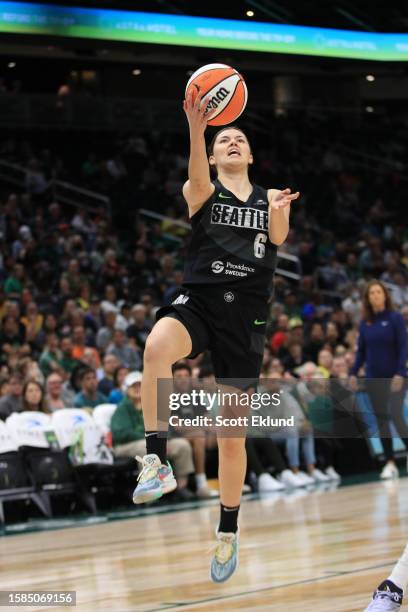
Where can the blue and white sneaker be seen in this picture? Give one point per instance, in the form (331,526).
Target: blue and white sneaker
(387,598)
(225,560)
(154,480)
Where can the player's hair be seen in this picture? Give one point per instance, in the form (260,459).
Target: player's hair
(210,148)
(368,312)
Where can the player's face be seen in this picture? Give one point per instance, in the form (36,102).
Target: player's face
(231,150)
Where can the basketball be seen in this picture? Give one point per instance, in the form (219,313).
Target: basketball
(224,87)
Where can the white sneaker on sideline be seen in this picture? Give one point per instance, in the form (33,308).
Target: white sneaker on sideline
(206,492)
(267,483)
(318,476)
(305,478)
(332,474)
(389,471)
(290,480)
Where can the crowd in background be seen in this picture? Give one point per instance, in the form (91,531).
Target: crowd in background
(79,290)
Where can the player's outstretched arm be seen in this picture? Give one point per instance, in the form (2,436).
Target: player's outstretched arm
(279,211)
(198,188)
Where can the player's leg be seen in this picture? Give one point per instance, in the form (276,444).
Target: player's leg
(388,596)
(168,342)
(231,475)
(237,351)
(232,464)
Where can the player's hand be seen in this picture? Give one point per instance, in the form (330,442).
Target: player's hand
(195,107)
(283,198)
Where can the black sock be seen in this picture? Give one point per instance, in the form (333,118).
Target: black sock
(228,519)
(156,445)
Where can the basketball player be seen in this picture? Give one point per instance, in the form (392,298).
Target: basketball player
(236,228)
(388,596)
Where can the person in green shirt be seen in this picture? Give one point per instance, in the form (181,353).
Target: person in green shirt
(89,396)
(67,362)
(14,285)
(320,410)
(128,434)
(50,357)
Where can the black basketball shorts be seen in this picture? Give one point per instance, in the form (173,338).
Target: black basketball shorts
(231,325)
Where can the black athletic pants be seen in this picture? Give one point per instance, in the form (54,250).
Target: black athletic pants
(263,453)
(387,406)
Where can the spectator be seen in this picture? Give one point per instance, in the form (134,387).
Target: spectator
(12,401)
(54,393)
(116,395)
(183,384)
(139,329)
(67,362)
(315,342)
(35,180)
(4,387)
(126,354)
(264,455)
(383,349)
(110,365)
(147,301)
(123,317)
(50,358)
(105,333)
(33,397)
(89,396)
(109,304)
(78,342)
(324,363)
(91,358)
(128,434)
(32,321)
(11,340)
(296,438)
(13,286)
(295,356)
(280,335)
(93,319)
(321,413)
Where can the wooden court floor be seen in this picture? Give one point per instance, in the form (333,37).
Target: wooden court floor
(322,551)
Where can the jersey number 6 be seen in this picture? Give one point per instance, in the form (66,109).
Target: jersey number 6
(259,245)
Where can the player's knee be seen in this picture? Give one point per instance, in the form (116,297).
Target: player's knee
(157,349)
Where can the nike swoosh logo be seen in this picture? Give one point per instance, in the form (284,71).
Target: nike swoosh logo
(222,196)
(256,322)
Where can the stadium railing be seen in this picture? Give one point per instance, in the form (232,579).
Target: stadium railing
(61,191)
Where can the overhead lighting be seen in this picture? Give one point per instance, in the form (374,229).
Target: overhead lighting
(250,13)
(136,72)
(370,77)
(12,64)
(369,109)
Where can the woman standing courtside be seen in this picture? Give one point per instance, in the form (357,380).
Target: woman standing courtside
(382,348)
(236,227)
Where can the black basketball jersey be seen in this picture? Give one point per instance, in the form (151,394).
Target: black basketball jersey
(230,245)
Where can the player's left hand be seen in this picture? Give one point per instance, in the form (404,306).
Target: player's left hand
(282,199)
